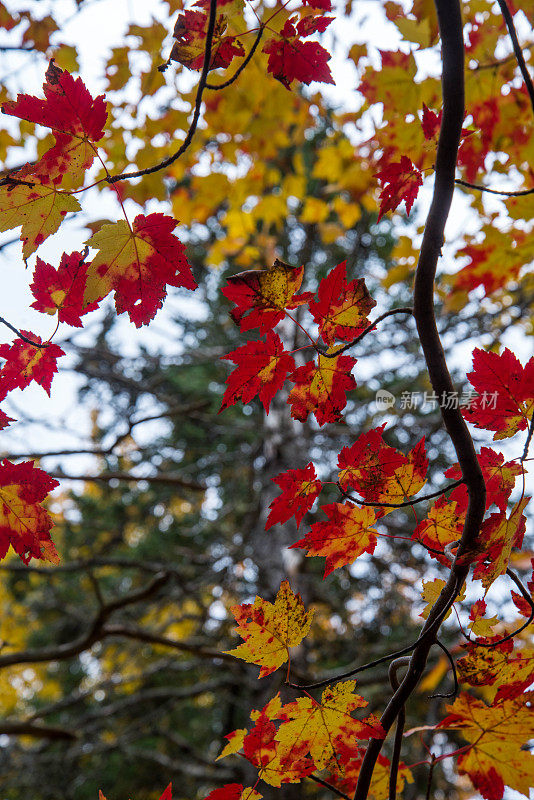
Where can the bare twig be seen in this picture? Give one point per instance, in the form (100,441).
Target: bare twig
(454,691)
(21,728)
(478,187)
(172,480)
(370,327)
(401,721)
(406,502)
(241,67)
(21,335)
(517,49)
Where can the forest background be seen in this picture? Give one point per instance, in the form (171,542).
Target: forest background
(170,498)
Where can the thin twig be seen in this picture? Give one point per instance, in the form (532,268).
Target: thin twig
(454,691)
(401,721)
(239,70)
(172,480)
(519,193)
(517,49)
(406,502)
(529,438)
(430,776)
(21,335)
(370,327)
(198,103)
(327,785)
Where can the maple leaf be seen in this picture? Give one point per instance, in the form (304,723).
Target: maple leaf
(26,363)
(347,535)
(498,535)
(341,309)
(431,591)
(234,791)
(262,295)
(4,420)
(431,122)
(321,388)
(444,523)
(320,728)
(346,771)
(479,625)
(62,290)
(291,59)
(24,523)
(76,118)
(270,629)
(401,181)
(39,210)
(190,33)
(505,400)
(379,472)
(262,368)
(299,488)
(499,476)
(496,733)
(137,262)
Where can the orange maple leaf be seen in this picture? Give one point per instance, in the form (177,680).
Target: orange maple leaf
(321,388)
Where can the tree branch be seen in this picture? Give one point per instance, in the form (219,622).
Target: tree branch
(517,49)
(241,67)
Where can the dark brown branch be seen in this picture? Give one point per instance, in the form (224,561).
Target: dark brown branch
(21,335)
(172,480)
(196,115)
(92,635)
(519,193)
(241,67)
(454,690)
(370,327)
(451,31)
(529,438)
(438,493)
(401,721)
(37,731)
(517,49)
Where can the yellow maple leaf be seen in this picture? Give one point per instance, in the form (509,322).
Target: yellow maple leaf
(37,208)
(270,629)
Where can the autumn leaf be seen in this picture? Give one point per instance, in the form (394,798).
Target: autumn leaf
(321,388)
(478,624)
(137,262)
(347,534)
(400,181)
(505,400)
(4,420)
(37,208)
(497,734)
(270,629)
(26,363)
(499,476)
(77,120)
(190,33)
(346,770)
(234,791)
(24,523)
(431,122)
(498,535)
(262,295)
(62,290)
(431,591)
(444,523)
(262,368)
(379,472)
(319,728)
(291,58)
(299,488)
(341,309)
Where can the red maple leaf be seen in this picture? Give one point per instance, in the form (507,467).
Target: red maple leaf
(291,59)
(499,476)
(190,33)
(401,181)
(262,368)
(4,420)
(76,118)
(299,488)
(62,290)
(431,122)
(505,400)
(321,388)
(24,523)
(26,363)
(262,295)
(138,262)
(341,309)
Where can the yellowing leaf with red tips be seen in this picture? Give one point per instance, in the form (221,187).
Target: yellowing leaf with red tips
(26,363)
(320,728)
(499,476)
(270,629)
(478,625)
(346,535)
(262,295)
(341,309)
(321,388)
(24,523)
(39,210)
(497,734)
(137,262)
(498,535)
(431,592)
(444,523)
(62,290)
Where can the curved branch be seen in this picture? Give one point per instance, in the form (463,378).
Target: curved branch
(21,335)
(454,691)
(517,49)
(370,327)
(519,193)
(239,70)
(438,493)
(451,31)
(401,721)
(196,115)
